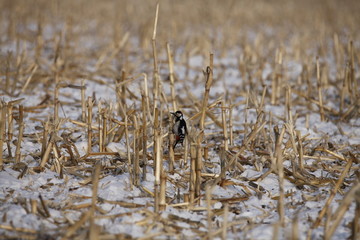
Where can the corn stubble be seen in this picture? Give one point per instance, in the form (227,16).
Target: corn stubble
(59,62)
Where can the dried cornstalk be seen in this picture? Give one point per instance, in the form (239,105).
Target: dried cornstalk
(198,164)
(224,123)
(338,215)
(144,135)
(192,173)
(162,195)
(123,90)
(320,89)
(290,129)
(276,79)
(93,231)
(7,70)
(209,211)
(353,83)
(56,103)
(89,121)
(34,206)
(101,129)
(206,153)
(157,158)
(156,138)
(10,120)
(156,76)
(225,221)
(262,103)
(355,229)
(184,160)
(73,228)
(128,148)
(44,137)
(231,126)
(47,152)
(344,89)
(104,128)
(43,204)
(327,223)
(171,151)
(136,163)
(20,135)
(83,102)
(279,160)
(333,193)
(246,113)
(171,76)
(28,80)
(146,95)
(2,131)
(300,149)
(208,83)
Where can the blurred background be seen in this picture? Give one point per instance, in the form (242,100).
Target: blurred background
(216,24)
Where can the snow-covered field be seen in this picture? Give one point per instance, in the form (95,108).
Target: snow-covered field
(305,187)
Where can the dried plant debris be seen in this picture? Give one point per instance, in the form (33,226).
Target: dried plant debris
(272,142)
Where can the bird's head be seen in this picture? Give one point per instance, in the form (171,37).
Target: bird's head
(177,114)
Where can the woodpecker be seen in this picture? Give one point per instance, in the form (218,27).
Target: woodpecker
(179,128)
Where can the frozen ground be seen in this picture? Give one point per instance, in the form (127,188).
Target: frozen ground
(54,202)
(127,211)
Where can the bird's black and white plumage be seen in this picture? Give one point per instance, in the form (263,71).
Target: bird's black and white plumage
(179,128)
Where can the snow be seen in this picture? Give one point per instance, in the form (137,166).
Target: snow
(63,195)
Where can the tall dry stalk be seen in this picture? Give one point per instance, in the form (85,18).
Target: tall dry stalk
(277,76)
(83,101)
(94,230)
(56,104)
(128,152)
(225,222)
(144,136)
(209,214)
(171,150)
(10,120)
(224,123)
(353,82)
(246,113)
(192,172)
(2,131)
(48,149)
(104,129)
(89,124)
(20,135)
(156,76)
(231,124)
(162,194)
(184,160)
(208,83)
(171,76)
(136,157)
(320,89)
(198,164)
(101,129)
(45,134)
(295,228)
(157,159)
(344,90)
(300,150)
(280,168)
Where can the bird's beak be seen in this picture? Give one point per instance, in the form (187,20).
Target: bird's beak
(173,113)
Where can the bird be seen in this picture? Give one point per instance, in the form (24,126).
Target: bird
(179,128)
